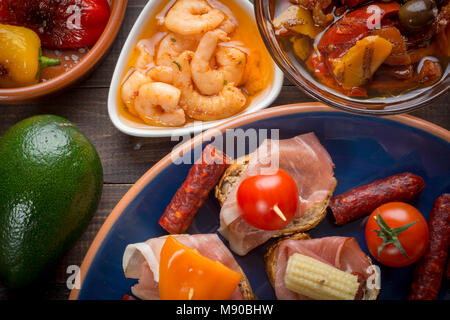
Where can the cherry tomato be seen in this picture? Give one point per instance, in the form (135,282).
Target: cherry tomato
(258,195)
(400,237)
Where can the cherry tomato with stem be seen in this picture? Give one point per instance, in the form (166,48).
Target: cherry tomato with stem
(396,234)
(268,201)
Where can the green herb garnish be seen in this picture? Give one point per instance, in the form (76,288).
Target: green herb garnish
(389,235)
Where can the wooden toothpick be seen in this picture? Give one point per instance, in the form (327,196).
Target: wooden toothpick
(279,212)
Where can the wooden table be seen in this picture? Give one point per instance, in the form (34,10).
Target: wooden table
(124,158)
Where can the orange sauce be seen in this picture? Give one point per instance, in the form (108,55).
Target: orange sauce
(246,32)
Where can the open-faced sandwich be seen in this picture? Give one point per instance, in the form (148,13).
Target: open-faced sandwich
(330,268)
(185,267)
(259,203)
(283,187)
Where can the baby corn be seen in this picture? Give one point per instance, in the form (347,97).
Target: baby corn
(318,280)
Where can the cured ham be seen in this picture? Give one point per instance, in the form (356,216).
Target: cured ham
(343,253)
(141,261)
(309,164)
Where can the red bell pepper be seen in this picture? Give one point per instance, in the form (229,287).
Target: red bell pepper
(353,3)
(62,24)
(352,27)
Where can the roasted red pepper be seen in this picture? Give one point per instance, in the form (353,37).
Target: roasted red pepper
(353,3)
(351,28)
(62,24)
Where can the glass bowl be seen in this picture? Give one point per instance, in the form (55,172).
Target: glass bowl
(299,75)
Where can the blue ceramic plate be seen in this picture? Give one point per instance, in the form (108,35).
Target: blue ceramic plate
(363,149)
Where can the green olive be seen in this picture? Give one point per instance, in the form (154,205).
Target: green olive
(414,15)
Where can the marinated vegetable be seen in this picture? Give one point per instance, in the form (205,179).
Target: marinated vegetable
(415,15)
(368,49)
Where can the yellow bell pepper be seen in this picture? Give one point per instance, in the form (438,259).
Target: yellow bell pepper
(302,47)
(299,20)
(184,274)
(21,57)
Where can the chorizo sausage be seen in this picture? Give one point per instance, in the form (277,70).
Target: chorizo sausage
(201,179)
(363,200)
(430,268)
(447,272)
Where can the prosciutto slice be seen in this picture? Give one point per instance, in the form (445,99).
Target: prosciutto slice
(309,164)
(343,253)
(141,261)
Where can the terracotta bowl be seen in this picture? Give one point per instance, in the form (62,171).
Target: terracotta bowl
(87,64)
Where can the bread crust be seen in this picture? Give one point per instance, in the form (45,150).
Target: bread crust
(246,289)
(270,260)
(230,177)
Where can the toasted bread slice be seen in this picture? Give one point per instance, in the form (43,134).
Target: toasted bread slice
(246,289)
(308,221)
(270,259)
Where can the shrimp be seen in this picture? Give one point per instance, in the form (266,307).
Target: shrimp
(130,89)
(191,17)
(158,102)
(145,51)
(230,64)
(144,58)
(171,46)
(227,102)
(228,26)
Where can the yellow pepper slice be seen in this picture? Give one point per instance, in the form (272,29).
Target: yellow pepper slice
(361,61)
(184,274)
(299,20)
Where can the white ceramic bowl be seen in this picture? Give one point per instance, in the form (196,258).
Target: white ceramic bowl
(261,101)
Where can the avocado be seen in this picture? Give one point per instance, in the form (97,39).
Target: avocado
(51,180)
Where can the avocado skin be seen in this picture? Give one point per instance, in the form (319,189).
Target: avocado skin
(51,180)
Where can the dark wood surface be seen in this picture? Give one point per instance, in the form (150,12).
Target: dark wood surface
(124,158)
